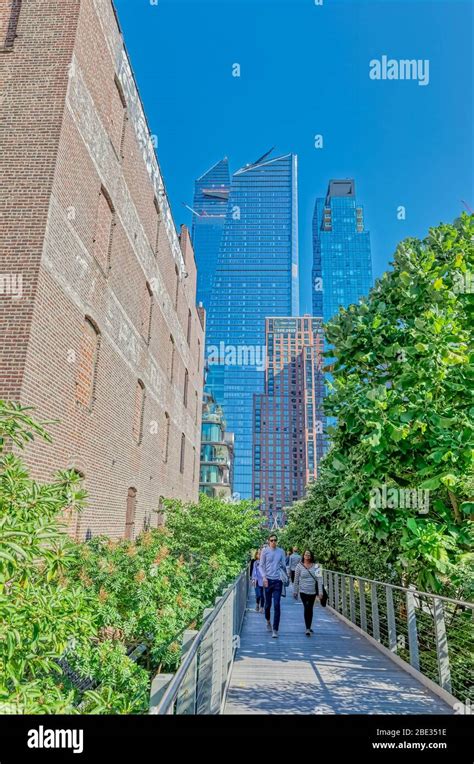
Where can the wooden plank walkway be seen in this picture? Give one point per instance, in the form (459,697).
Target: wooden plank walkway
(335,671)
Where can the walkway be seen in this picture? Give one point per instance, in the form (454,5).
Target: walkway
(335,671)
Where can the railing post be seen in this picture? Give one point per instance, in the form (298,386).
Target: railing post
(375,612)
(186,698)
(204,686)
(343,595)
(158,687)
(352,599)
(336,591)
(331,589)
(412,632)
(442,645)
(216,695)
(391,623)
(363,611)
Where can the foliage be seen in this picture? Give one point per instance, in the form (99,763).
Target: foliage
(74,612)
(214,537)
(403,396)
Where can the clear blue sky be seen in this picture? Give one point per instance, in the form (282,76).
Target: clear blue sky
(305,71)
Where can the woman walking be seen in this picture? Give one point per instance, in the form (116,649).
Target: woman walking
(308,585)
(257,581)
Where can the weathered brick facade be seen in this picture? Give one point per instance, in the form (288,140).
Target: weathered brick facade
(97,291)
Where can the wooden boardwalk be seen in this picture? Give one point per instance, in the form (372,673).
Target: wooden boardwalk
(335,671)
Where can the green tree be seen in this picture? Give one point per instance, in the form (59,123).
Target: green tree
(402,393)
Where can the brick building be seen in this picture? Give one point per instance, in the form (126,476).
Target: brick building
(288,420)
(99,327)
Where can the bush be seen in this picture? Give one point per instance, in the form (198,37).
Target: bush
(71,613)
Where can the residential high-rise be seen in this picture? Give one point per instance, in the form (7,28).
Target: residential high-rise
(342,264)
(288,421)
(211,196)
(256,276)
(99,330)
(217,451)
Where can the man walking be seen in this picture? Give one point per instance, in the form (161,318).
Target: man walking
(295,558)
(272,565)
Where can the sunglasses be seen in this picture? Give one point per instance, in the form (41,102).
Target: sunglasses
(272,540)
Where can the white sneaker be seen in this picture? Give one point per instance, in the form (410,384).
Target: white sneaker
(269,626)
(308,632)
(274,634)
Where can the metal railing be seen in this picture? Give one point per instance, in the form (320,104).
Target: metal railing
(433,634)
(199,686)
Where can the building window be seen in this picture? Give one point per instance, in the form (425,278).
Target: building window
(9,15)
(102,241)
(87,365)
(199,355)
(130,515)
(138,412)
(146,311)
(186,385)
(188,333)
(194,464)
(118,118)
(172,354)
(166,442)
(196,408)
(182,453)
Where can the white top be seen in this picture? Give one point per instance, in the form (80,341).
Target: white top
(305,579)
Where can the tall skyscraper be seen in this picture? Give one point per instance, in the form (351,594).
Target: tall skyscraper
(342,264)
(287,418)
(211,196)
(256,276)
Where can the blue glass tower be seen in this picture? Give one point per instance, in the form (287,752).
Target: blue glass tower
(211,195)
(342,263)
(256,277)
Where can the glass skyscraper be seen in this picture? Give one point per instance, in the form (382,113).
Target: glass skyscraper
(342,263)
(256,276)
(288,422)
(211,196)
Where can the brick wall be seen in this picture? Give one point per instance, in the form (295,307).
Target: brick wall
(88,343)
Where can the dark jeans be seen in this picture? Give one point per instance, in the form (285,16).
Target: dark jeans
(292,576)
(273,590)
(260,595)
(308,603)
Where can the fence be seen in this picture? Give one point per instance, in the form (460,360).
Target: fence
(433,634)
(200,683)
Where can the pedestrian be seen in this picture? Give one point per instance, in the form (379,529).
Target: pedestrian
(272,566)
(308,585)
(293,562)
(257,581)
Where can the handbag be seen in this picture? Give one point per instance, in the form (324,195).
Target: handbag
(284,579)
(324,598)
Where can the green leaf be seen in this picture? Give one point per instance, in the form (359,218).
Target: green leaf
(430,485)
(412,525)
